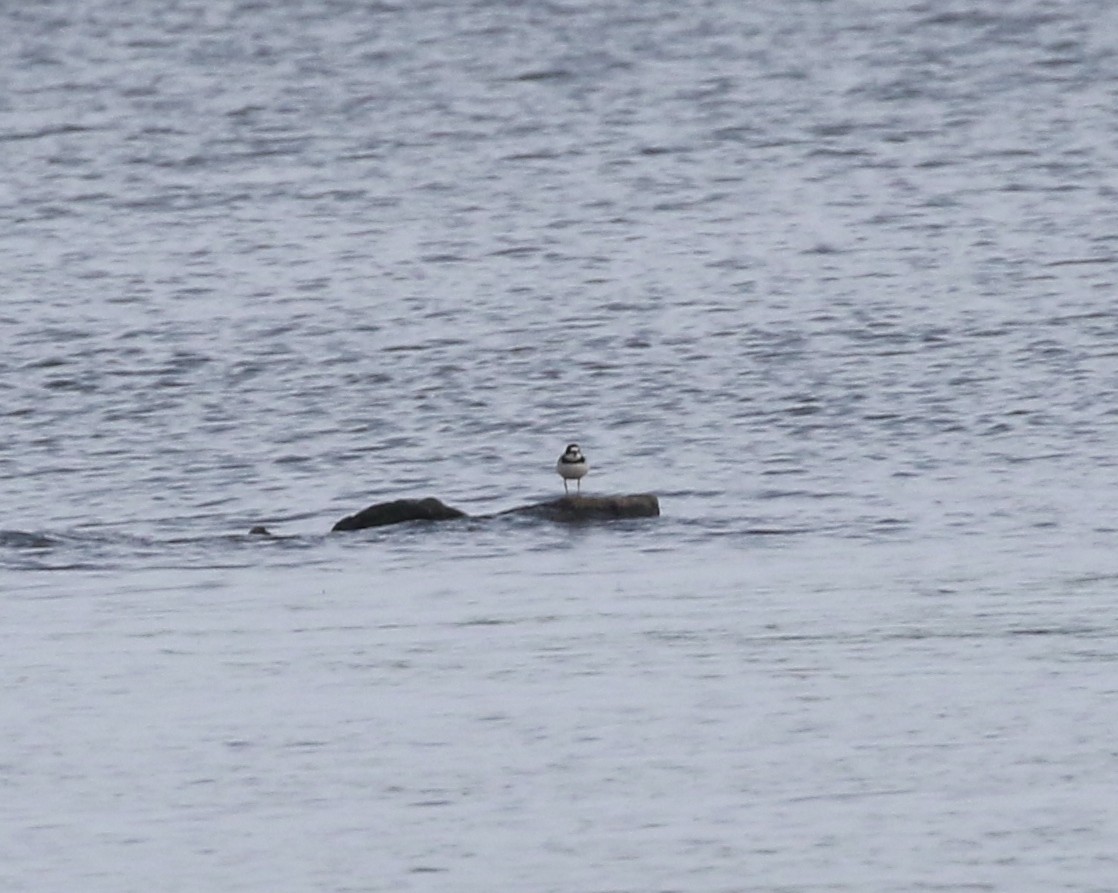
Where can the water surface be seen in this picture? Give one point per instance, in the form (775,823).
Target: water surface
(834,280)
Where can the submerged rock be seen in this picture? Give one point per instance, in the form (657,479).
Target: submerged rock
(569,508)
(593,508)
(397,512)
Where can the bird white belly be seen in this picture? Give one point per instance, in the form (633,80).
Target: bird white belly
(572,471)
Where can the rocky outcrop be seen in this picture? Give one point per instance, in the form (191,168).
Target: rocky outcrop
(570,509)
(592,508)
(399,511)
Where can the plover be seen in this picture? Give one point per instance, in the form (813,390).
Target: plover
(572,467)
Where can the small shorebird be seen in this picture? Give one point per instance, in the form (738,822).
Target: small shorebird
(572,467)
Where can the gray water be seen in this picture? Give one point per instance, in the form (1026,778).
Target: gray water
(835,280)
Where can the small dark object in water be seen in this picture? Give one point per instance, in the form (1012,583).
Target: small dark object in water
(398,511)
(260,530)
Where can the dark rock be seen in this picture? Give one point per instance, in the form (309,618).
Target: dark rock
(593,508)
(570,508)
(260,530)
(398,511)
